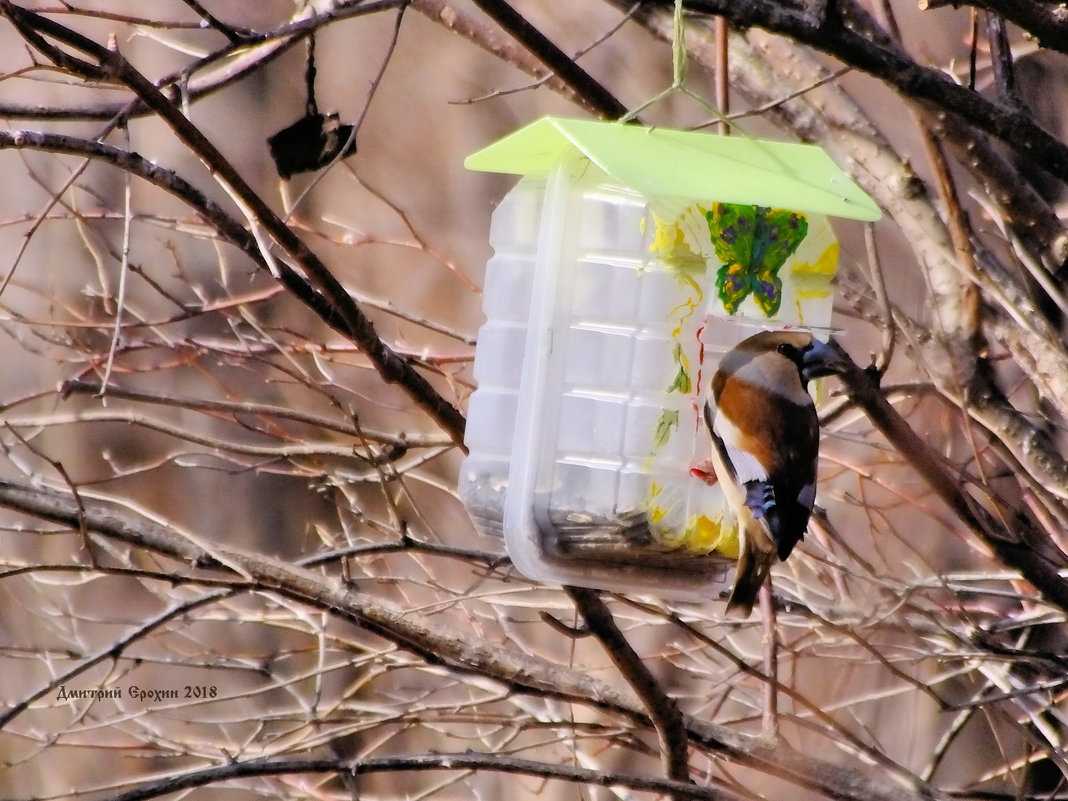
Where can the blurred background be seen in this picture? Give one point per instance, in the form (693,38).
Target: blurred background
(150,365)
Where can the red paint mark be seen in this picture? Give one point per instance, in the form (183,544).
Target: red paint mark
(700,372)
(706,475)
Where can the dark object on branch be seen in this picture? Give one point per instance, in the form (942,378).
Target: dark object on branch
(310,143)
(315,139)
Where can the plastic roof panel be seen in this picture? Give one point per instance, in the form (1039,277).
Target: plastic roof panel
(687,165)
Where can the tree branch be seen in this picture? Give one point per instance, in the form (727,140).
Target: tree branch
(491,40)
(844,41)
(340,310)
(562,65)
(1007,532)
(1046,22)
(662,708)
(441,644)
(466,761)
(215,71)
(238,408)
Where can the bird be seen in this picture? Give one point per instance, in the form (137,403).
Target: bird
(765,447)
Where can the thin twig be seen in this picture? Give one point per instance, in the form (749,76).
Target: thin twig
(548,78)
(1001,59)
(257,409)
(878,285)
(343,310)
(376,82)
(213,72)
(830,77)
(723,86)
(124,271)
(57,465)
(235,36)
(113,650)
(294,450)
(770,644)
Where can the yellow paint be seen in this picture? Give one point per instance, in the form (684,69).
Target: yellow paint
(819,391)
(674,252)
(813,280)
(676,245)
(656,513)
(670,247)
(702,534)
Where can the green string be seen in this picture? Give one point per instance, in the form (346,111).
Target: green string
(678,77)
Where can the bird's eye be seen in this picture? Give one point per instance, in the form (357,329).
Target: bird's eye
(793,353)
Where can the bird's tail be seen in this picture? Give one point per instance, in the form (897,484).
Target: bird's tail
(755,558)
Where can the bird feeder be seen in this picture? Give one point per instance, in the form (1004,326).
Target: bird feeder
(626,262)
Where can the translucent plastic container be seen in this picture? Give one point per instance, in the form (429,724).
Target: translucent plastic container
(604,324)
(502,341)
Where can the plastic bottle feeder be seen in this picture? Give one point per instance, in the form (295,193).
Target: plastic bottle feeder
(626,262)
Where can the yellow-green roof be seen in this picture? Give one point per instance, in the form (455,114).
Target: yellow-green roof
(686,165)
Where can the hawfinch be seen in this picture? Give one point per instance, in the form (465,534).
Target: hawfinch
(765,437)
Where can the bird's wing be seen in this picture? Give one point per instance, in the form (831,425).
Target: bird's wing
(757,545)
(745,466)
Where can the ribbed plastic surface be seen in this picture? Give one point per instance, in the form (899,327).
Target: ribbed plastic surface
(602,330)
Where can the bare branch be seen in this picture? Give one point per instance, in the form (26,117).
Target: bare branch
(661,707)
(1022,546)
(468,760)
(840,37)
(440,644)
(576,78)
(343,312)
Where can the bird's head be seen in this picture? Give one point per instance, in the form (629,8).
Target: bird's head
(810,357)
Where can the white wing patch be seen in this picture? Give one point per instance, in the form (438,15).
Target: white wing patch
(746,466)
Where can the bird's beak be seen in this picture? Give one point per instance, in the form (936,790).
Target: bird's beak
(819,360)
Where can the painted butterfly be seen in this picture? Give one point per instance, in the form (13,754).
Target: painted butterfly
(753,243)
